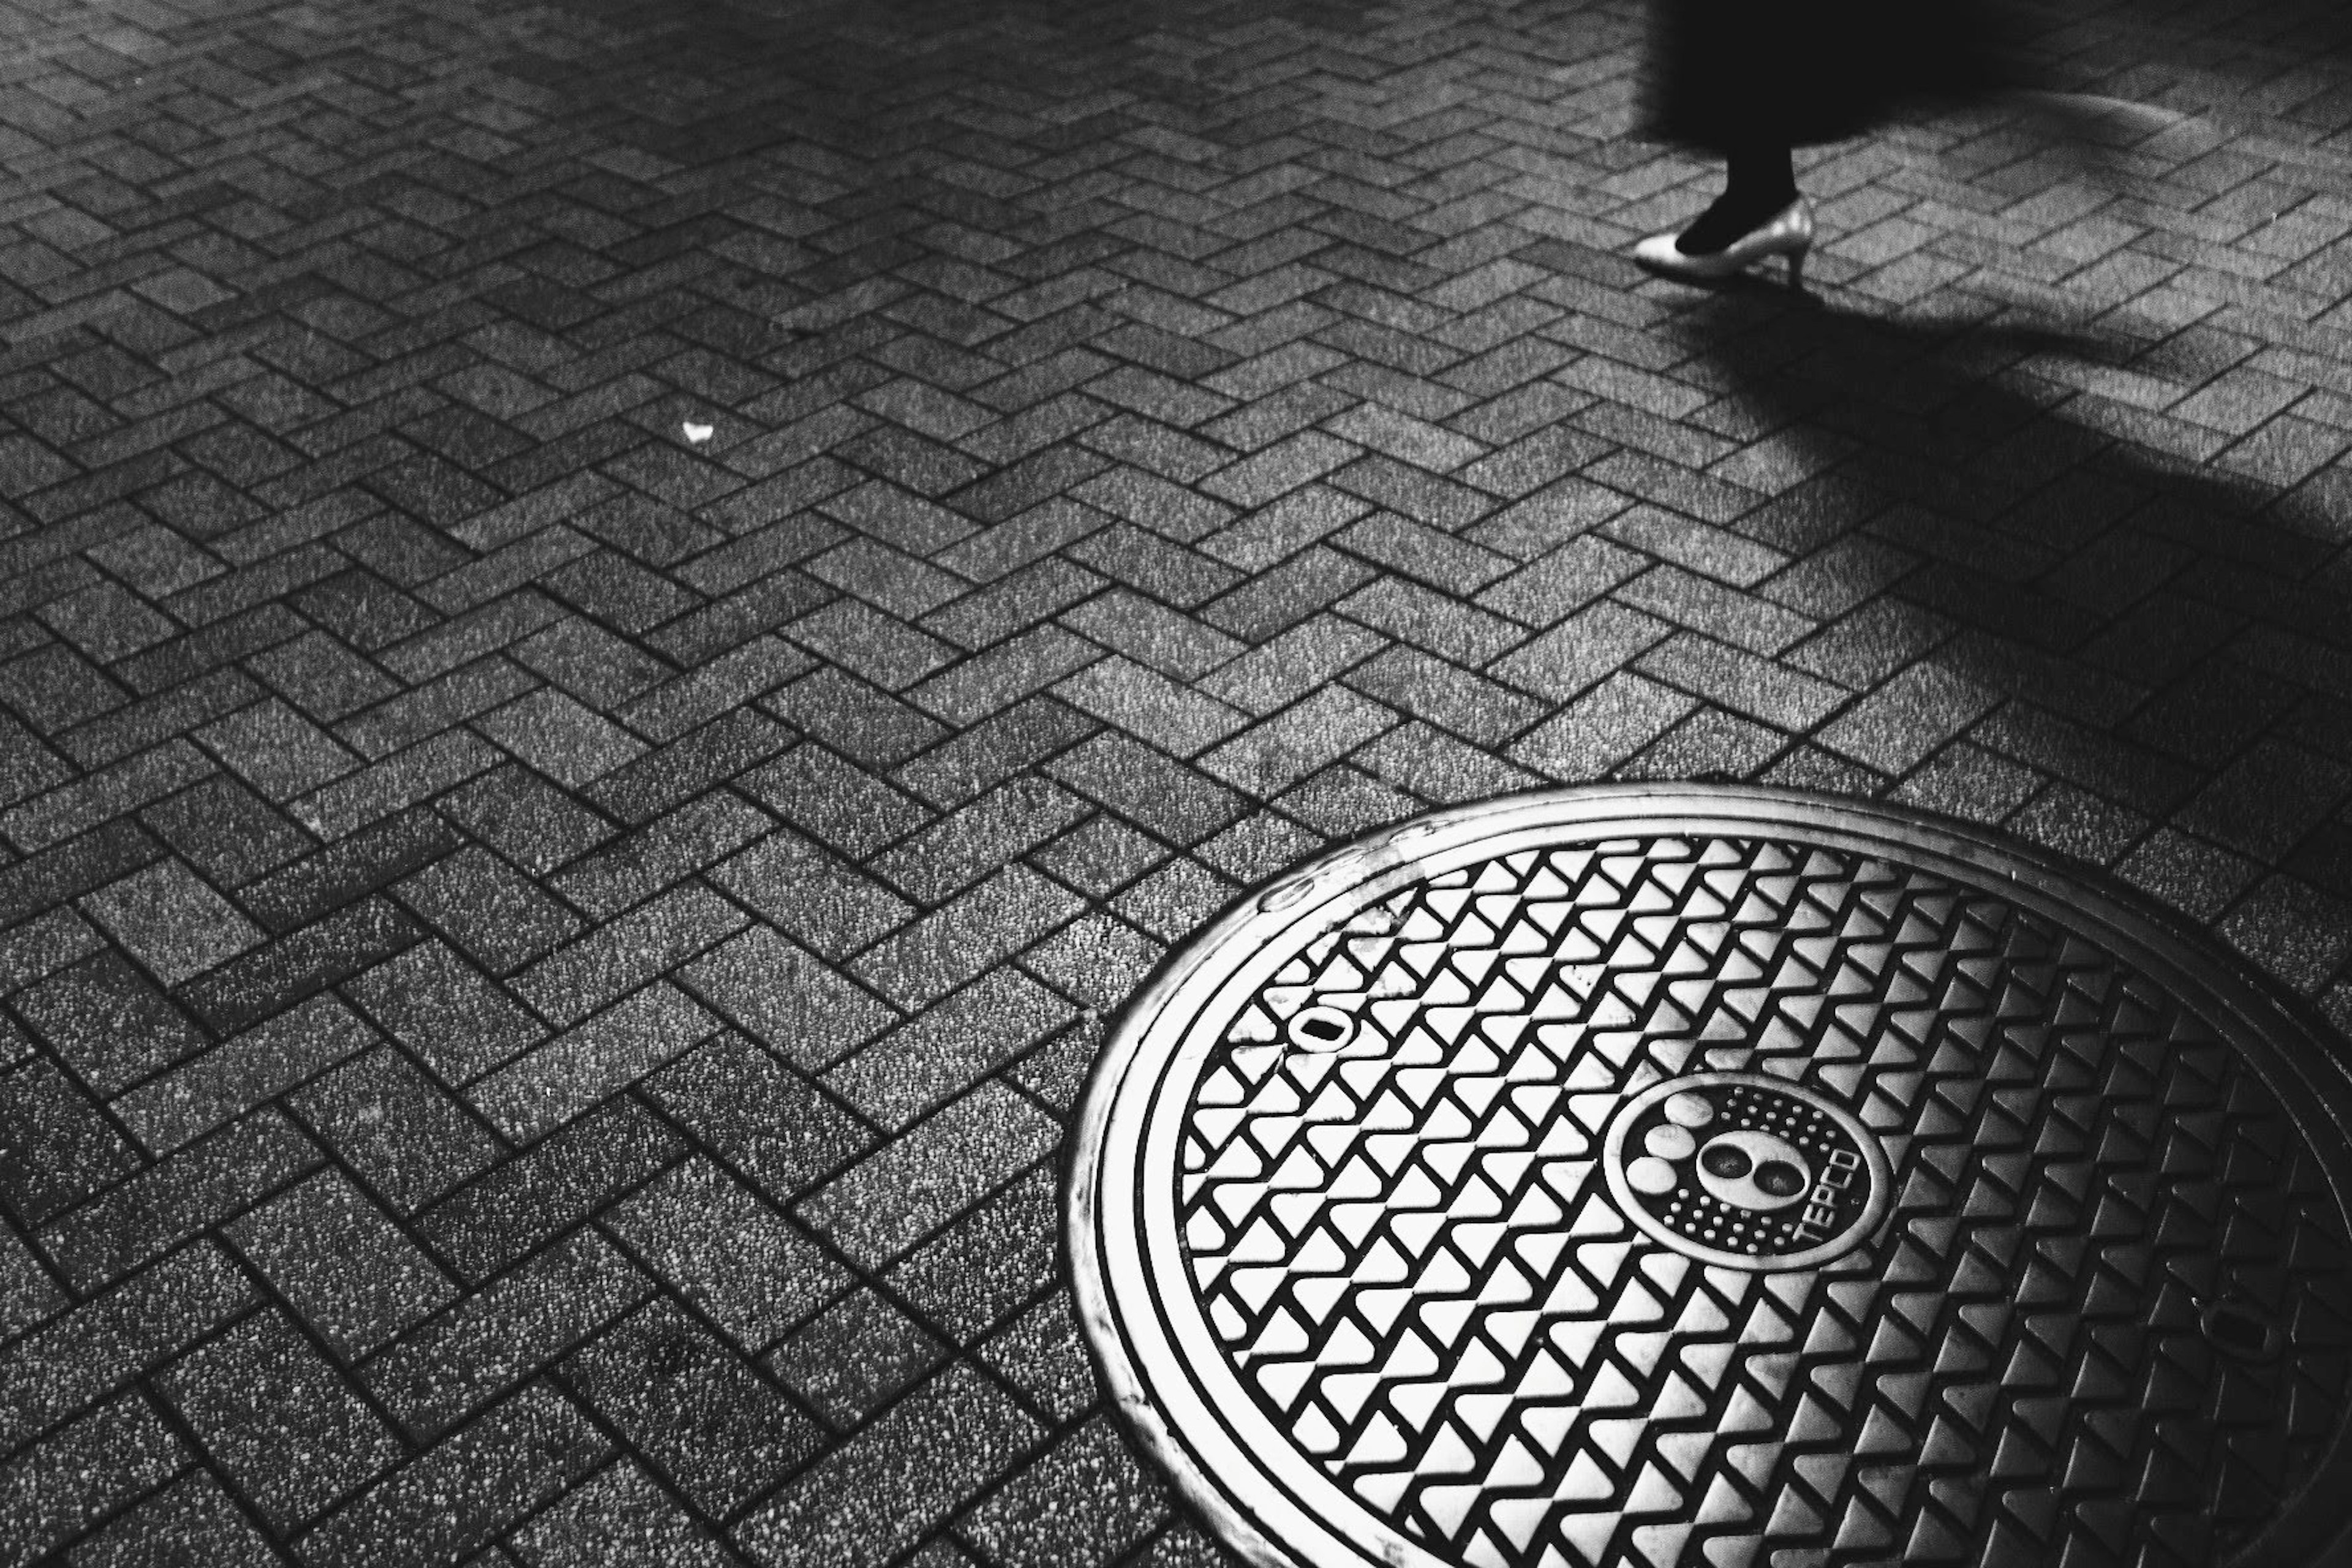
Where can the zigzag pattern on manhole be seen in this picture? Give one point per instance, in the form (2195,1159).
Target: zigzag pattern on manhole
(2104,1320)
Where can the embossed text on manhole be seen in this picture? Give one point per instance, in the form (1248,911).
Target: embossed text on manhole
(1715,1176)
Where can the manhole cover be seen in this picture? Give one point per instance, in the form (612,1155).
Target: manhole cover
(1726,1177)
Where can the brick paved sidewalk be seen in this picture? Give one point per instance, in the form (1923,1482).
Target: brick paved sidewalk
(620,622)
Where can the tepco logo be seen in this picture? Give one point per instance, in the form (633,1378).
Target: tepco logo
(1747,1172)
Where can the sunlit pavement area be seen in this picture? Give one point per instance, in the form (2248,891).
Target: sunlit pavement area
(621,625)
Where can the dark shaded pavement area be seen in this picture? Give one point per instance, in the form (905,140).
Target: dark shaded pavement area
(622,624)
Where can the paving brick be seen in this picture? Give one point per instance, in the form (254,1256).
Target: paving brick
(735,1259)
(191,1522)
(1441,769)
(977,1271)
(1147,789)
(1160,639)
(40,881)
(1413,492)
(620,1513)
(558,1079)
(1905,717)
(1149,501)
(28,1294)
(277,1418)
(1154,566)
(2267,799)
(560,737)
(232,1078)
(348,870)
(949,1160)
(721,674)
(2291,930)
(898,1479)
(1561,581)
(1291,664)
(1038,1520)
(2189,874)
(1345,801)
(2142,780)
(166,1203)
(855,1357)
(499,917)
(400,1132)
(1865,647)
(1283,596)
(522,1201)
(651,858)
(1034,588)
(826,904)
(525,818)
(277,751)
(1617,718)
(1967,782)
(1148,706)
(50,1494)
(458,1023)
(72,1360)
(31,767)
(1759,687)
(58,1146)
(941,1050)
(1425,554)
(438,1372)
(588,663)
(1005,674)
(2076,823)
(149,722)
(467,1491)
(1099,856)
(127,785)
(2211,713)
(1579,651)
(55,690)
(871,643)
(982,926)
(784,996)
(1720,611)
(1481,711)
(666,777)
(707,1420)
(1434,622)
(1276,753)
(341,1264)
(1282,525)
(1041,1353)
(622,953)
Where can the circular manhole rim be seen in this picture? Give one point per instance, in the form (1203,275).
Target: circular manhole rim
(1254,1514)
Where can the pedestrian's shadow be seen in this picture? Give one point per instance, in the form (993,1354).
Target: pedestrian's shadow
(2017,489)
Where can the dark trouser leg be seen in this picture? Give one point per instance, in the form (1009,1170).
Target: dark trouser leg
(1762,181)
(1761,176)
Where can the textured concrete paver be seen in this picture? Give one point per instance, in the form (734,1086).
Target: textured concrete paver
(621,624)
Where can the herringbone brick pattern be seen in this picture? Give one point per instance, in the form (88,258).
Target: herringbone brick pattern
(622,623)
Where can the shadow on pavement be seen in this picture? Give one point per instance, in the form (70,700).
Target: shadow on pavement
(2138,624)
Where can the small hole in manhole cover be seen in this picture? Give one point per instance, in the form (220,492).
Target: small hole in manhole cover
(1321,1029)
(2240,1331)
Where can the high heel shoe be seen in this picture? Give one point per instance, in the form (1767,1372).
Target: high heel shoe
(1788,232)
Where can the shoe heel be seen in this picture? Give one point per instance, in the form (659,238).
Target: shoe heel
(1796,268)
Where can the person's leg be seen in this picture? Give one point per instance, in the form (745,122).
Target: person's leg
(1761,180)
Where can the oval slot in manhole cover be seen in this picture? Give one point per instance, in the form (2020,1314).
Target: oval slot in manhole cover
(1718,1176)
